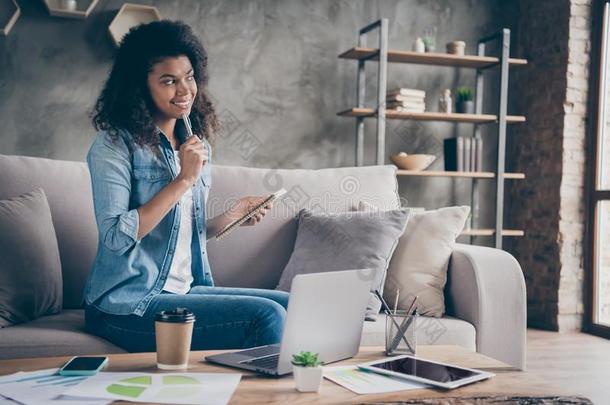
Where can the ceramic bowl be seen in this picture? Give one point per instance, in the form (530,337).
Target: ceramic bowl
(412,162)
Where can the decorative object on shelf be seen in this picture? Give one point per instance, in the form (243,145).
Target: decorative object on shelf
(464,100)
(70,8)
(412,162)
(307,369)
(456,47)
(9,13)
(463,154)
(445,103)
(131,15)
(402,99)
(419,46)
(429,39)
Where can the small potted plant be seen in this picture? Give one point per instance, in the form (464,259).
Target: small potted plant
(307,371)
(429,39)
(429,44)
(464,103)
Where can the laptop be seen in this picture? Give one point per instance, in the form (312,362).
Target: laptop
(325,316)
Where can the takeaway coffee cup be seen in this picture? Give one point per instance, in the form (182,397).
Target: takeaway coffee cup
(173,333)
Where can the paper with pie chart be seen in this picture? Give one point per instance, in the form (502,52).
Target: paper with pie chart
(170,388)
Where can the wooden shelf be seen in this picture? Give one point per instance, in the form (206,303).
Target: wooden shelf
(129,16)
(83,8)
(492,232)
(473,175)
(9,13)
(438,59)
(431,116)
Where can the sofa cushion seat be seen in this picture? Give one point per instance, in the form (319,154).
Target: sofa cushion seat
(54,335)
(430,330)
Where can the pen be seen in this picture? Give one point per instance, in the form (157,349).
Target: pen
(386,309)
(187,124)
(396,301)
(404,325)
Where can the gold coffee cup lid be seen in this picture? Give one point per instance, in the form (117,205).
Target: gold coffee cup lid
(178,315)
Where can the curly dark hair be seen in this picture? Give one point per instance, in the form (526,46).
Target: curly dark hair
(125,101)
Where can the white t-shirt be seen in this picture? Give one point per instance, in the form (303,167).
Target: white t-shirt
(180,276)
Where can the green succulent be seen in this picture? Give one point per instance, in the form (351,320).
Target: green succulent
(464,94)
(306,359)
(429,42)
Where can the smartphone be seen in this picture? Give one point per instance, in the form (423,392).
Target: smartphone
(83,365)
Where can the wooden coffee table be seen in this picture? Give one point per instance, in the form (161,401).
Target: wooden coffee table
(255,389)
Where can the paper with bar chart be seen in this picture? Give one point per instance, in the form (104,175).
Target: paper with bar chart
(366,382)
(42,387)
(172,388)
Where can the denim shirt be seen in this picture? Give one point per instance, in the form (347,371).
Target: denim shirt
(128,273)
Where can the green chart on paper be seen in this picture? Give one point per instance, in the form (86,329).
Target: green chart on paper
(171,385)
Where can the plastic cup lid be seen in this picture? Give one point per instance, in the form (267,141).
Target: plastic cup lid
(178,315)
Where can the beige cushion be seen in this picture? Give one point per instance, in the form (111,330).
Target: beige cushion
(419,264)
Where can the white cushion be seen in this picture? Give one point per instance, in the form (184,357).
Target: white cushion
(430,331)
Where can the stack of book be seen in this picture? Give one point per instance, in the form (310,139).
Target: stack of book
(463,154)
(406,100)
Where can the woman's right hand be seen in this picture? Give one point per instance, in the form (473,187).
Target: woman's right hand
(193,156)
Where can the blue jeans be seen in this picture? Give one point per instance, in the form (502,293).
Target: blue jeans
(226,318)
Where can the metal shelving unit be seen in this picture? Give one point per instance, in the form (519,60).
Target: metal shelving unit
(481,62)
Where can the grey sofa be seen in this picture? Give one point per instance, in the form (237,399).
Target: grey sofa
(485,293)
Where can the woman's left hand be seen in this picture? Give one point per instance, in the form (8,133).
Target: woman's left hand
(245,204)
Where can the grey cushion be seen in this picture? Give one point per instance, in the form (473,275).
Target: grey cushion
(30,271)
(67,186)
(352,240)
(254,256)
(55,335)
(429,331)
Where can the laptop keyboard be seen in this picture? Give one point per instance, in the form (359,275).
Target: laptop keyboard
(261,351)
(269,362)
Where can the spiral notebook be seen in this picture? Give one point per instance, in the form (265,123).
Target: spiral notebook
(233,225)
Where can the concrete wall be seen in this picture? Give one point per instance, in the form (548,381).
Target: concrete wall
(274,73)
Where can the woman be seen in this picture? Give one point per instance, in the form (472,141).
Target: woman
(150,187)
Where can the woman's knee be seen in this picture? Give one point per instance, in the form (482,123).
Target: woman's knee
(268,322)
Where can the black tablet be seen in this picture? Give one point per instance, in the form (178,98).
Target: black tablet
(426,371)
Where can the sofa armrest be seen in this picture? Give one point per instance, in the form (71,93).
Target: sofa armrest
(486,287)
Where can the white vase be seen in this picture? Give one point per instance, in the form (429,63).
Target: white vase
(307,379)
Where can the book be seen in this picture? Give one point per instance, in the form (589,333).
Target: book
(466,159)
(473,154)
(453,149)
(406,92)
(407,109)
(398,97)
(233,225)
(479,155)
(414,104)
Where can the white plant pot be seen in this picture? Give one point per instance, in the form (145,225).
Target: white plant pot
(307,379)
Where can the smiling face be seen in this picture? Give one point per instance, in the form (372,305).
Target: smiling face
(172,87)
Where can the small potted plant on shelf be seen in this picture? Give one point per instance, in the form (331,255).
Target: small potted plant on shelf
(307,371)
(464,100)
(429,39)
